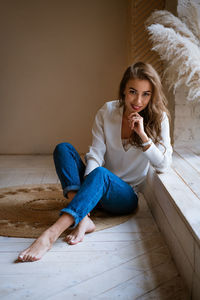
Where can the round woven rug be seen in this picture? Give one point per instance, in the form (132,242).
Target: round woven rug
(26,211)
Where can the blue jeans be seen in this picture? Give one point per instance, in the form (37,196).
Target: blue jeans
(100,187)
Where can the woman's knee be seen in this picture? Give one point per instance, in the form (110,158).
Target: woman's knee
(60,148)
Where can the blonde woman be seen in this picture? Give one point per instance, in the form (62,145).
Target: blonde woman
(129,135)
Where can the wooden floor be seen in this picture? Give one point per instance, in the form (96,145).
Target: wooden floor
(128,261)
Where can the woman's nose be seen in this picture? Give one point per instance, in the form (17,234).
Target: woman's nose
(139,99)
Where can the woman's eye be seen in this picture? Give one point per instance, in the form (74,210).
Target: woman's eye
(146,94)
(133,92)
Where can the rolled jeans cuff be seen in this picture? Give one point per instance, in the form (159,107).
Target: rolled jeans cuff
(73,214)
(70,188)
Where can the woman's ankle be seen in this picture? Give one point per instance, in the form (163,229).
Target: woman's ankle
(64,222)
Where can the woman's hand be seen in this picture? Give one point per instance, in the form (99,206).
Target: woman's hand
(136,123)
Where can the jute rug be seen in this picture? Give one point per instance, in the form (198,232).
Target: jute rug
(26,211)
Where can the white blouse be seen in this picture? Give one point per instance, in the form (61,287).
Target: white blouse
(130,163)
(126,144)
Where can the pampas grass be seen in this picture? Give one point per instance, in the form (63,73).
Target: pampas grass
(179,46)
(168,20)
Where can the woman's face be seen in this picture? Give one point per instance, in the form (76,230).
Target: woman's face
(137,95)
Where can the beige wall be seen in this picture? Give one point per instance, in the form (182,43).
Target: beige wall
(138,40)
(171,5)
(60,60)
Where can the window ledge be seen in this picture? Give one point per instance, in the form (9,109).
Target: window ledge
(174,199)
(184,199)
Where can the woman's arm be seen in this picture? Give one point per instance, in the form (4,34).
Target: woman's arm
(95,157)
(160,155)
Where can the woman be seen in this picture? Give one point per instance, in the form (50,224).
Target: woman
(128,135)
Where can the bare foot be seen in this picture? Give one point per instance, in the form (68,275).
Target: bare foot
(38,248)
(85,226)
(46,240)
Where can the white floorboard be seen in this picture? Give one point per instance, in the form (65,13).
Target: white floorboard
(128,261)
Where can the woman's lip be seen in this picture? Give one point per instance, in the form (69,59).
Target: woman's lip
(136,107)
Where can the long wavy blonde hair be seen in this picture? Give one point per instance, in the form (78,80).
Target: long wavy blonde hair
(153,113)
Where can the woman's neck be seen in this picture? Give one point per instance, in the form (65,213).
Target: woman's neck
(125,130)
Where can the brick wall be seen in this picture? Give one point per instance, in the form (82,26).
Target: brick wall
(187,119)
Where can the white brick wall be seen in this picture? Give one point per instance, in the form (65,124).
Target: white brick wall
(187,119)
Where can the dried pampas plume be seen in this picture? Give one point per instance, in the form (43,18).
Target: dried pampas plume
(170,21)
(179,46)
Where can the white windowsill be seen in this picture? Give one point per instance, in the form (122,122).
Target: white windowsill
(174,199)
